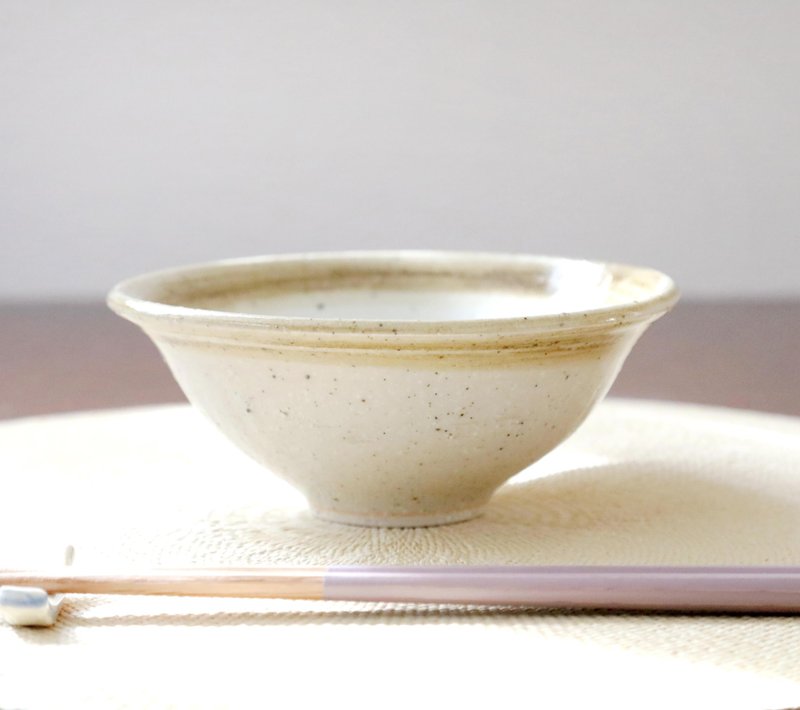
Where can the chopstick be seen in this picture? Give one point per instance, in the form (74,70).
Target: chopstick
(717,589)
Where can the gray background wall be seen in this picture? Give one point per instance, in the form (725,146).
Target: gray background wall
(137,135)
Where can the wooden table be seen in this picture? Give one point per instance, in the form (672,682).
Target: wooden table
(63,357)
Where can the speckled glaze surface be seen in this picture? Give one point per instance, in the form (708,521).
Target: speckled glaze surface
(396,388)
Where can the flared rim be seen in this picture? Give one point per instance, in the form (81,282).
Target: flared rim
(156,301)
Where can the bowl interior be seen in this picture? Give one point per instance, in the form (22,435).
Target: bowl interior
(403,286)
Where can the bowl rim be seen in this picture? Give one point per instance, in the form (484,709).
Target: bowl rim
(129,299)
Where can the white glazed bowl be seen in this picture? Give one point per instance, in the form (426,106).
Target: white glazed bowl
(396,388)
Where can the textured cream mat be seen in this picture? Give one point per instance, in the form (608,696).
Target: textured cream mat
(642,483)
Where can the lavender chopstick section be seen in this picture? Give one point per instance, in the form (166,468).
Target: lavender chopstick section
(739,589)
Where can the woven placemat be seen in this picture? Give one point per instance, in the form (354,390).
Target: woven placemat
(640,483)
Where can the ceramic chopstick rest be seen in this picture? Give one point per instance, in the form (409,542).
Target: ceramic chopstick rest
(32,606)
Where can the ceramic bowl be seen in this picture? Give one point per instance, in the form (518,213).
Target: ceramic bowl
(396,388)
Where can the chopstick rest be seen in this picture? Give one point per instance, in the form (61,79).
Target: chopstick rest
(32,606)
